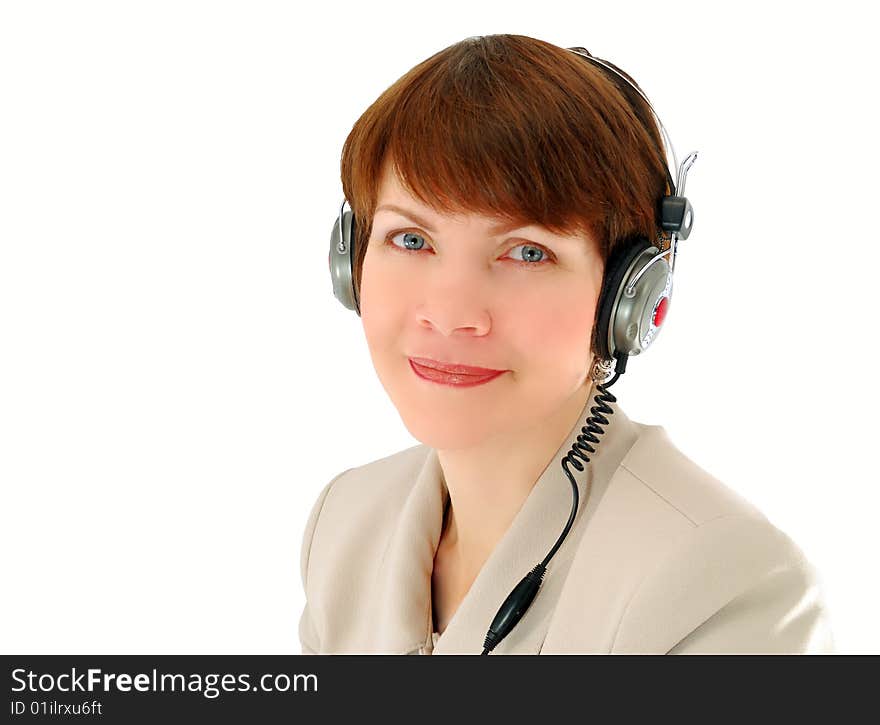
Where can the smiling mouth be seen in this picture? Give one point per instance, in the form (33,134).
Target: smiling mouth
(454,368)
(459,380)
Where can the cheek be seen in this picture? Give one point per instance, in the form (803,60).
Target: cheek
(552,324)
(381,281)
(380,301)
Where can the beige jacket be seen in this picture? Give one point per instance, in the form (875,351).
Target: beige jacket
(661,558)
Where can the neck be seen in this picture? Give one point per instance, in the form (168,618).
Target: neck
(489,483)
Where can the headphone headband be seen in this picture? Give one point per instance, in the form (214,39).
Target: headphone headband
(668,147)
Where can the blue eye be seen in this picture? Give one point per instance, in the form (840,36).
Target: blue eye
(533,248)
(410,238)
(416,243)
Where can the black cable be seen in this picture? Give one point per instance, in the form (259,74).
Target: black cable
(519,600)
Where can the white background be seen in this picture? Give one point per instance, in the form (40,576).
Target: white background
(177,381)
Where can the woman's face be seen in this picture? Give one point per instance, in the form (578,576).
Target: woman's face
(522,301)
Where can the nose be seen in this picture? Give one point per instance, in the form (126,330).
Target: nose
(457,308)
(449,320)
(456,301)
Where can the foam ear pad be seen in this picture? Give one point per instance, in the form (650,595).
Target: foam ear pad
(351,246)
(616,268)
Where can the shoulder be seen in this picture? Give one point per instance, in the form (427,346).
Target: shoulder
(716,575)
(734,584)
(360,499)
(367,490)
(671,482)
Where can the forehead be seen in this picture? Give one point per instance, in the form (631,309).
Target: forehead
(391,188)
(392,192)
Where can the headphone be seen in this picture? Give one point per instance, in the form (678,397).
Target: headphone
(632,306)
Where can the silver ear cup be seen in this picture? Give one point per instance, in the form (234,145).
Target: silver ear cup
(638,310)
(341,258)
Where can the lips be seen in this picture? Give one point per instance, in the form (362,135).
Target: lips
(456,380)
(454,368)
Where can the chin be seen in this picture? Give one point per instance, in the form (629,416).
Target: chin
(444,437)
(443,426)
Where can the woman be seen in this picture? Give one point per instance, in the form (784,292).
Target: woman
(500,189)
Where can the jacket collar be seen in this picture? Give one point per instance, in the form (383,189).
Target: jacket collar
(402,618)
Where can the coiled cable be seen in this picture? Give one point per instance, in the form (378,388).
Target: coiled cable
(519,600)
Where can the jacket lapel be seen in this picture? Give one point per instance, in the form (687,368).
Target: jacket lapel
(403,613)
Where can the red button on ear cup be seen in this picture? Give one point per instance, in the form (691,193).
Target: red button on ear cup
(660,312)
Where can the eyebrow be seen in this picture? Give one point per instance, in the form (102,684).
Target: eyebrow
(502,228)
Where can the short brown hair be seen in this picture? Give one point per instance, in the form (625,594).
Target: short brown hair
(513,127)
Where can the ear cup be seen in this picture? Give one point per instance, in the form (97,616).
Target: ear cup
(626,323)
(341,258)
